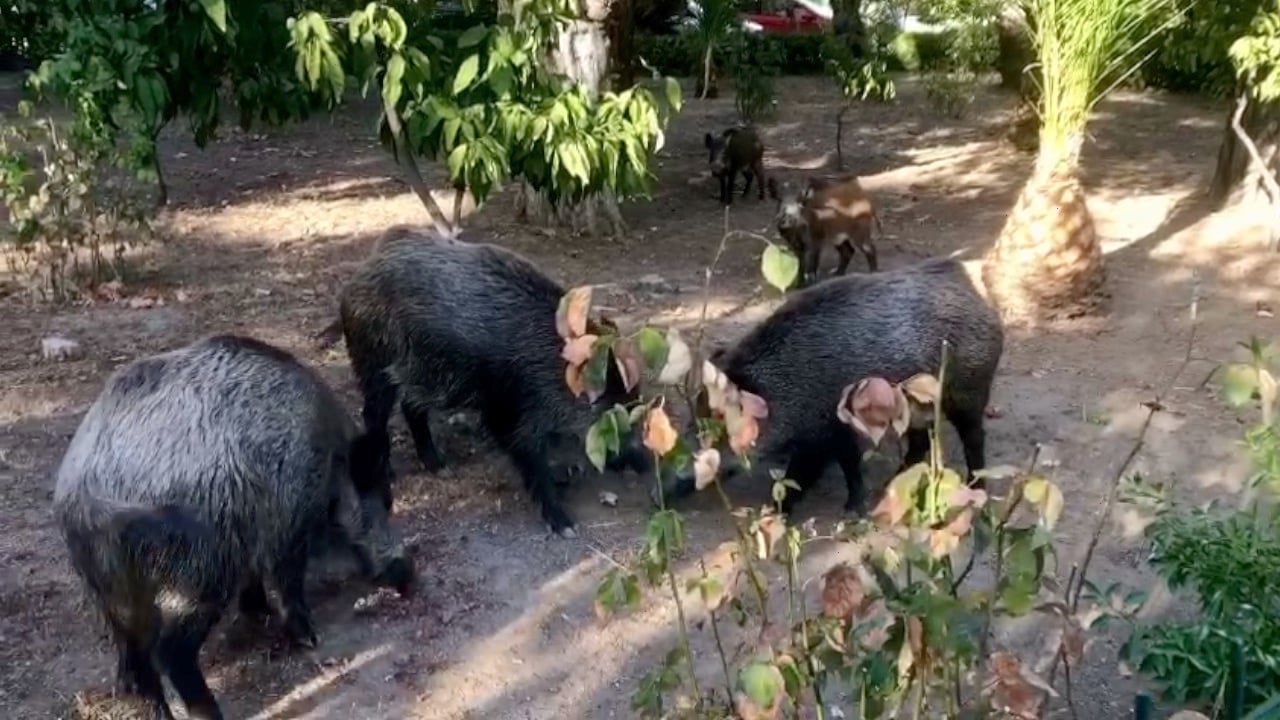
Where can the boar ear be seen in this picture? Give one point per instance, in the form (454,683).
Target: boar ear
(772,185)
(709,141)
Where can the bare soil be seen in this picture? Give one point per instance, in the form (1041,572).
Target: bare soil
(265,225)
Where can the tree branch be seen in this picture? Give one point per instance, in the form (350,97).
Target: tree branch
(1268,178)
(404,158)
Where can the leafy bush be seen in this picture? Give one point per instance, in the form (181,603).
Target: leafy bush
(1192,55)
(897,625)
(920,51)
(752,63)
(28,30)
(673,54)
(71,200)
(677,53)
(1229,559)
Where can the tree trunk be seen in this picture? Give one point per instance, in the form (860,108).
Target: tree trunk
(847,22)
(1238,178)
(1016,50)
(622,41)
(582,55)
(1047,262)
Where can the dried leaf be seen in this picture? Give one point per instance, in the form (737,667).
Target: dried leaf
(659,435)
(768,531)
(753,404)
(871,406)
(577,351)
(842,592)
(923,388)
(942,542)
(575,376)
(1073,642)
(897,498)
(627,357)
(679,359)
(706,465)
(743,430)
(717,385)
(571,316)
(1015,690)
(967,496)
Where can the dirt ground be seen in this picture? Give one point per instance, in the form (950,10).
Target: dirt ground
(265,225)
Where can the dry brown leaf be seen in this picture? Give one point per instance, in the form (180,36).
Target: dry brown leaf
(923,388)
(753,404)
(659,435)
(769,530)
(965,495)
(1015,690)
(577,351)
(870,406)
(717,385)
(889,511)
(679,359)
(627,357)
(706,464)
(742,428)
(571,317)
(1073,641)
(575,376)
(842,592)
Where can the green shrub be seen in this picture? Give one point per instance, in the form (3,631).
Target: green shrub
(1192,55)
(674,54)
(802,54)
(677,53)
(1230,559)
(920,51)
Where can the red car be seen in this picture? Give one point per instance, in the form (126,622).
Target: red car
(795,19)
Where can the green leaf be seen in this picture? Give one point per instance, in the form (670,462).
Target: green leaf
(456,160)
(673,93)
(1046,497)
(391,81)
(1239,383)
(653,348)
(780,266)
(466,74)
(217,12)
(597,370)
(602,435)
(762,683)
(473,36)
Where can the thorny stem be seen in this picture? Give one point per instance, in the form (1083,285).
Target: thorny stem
(675,591)
(1154,406)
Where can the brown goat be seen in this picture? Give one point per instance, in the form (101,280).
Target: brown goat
(834,212)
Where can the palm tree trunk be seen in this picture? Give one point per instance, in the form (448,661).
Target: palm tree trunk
(1047,262)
